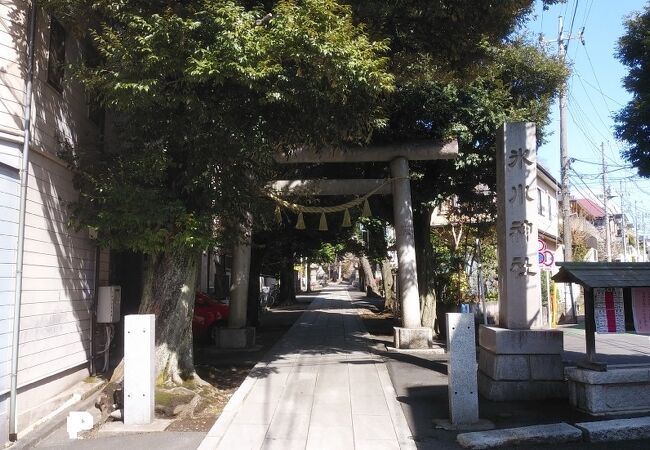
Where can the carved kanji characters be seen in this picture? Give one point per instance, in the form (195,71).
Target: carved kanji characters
(521,228)
(521,157)
(521,266)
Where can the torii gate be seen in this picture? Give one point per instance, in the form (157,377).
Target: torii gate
(411,334)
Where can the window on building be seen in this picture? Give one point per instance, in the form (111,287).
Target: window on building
(56,57)
(540,203)
(96,112)
(550,205)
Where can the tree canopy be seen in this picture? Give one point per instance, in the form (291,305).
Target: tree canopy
(633,121)
(201,93)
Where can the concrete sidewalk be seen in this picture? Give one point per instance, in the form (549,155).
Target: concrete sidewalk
(318,388)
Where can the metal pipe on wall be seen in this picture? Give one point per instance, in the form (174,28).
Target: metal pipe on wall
(20,248)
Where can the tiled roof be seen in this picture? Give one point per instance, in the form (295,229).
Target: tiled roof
(610,274)
(591,208)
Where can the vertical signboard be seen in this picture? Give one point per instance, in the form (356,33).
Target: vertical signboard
(609,313)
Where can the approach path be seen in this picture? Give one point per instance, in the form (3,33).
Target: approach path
(319,387)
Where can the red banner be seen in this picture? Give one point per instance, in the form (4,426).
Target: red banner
(609,314)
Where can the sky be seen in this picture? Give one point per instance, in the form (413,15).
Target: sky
(595,94)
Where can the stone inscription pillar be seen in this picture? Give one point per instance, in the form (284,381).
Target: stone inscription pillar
(519,273)
(517,360)
(404,237)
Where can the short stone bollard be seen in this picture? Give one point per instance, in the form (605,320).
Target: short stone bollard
(463,385)
(139,368)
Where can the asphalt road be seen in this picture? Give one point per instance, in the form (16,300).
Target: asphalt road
(420,381)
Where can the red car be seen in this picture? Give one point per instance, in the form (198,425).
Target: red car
(208,313)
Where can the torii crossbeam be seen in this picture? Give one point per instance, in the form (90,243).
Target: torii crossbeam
(411,334)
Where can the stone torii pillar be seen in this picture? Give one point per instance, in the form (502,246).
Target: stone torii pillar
(405,239)
(411,334)
(237,334)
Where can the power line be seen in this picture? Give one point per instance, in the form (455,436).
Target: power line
(597,89)
(588,11)
(593,70)
(598,164)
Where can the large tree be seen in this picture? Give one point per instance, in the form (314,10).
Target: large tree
(200,95)
(460,71)
(633,121)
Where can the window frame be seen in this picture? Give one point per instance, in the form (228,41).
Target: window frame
(56,55)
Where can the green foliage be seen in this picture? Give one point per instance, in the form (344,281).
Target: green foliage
(517,85)
(201,94)
(327,253)
(455,262)
(633,121)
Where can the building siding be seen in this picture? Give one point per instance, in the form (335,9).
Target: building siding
(9,190)
(58,275)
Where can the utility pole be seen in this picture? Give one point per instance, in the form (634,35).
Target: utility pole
(623,225)
(479,280)
(636,229)
(608,240)
(562,43)
(564,155)
(645,253)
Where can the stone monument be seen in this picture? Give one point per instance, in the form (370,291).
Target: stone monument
(518,360)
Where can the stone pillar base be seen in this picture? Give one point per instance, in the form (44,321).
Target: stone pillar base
(413,338)
(622,389)
(234,337)
(520,364)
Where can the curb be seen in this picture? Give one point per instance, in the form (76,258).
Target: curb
(616,430)
(598,431)
(40,431)
(537,434)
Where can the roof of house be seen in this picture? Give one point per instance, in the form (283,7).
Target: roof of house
(550,179)
(606,274)
(590,207)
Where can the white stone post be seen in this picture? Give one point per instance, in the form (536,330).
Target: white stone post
(404,236)
(519,272)
(139,368)
(463,384)
(240,272)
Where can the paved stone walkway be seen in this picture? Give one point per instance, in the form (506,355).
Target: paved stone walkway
(318,388)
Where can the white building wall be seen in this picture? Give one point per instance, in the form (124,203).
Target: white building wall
(58,261)
(547,220)
(9,187)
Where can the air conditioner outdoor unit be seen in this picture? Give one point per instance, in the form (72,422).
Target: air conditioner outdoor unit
(108,304)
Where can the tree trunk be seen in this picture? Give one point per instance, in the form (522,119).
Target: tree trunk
(253,309)
(369,276)
(424,259)
(220,284)
(390,303)
(287,285)
(168,293)
(308,271)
